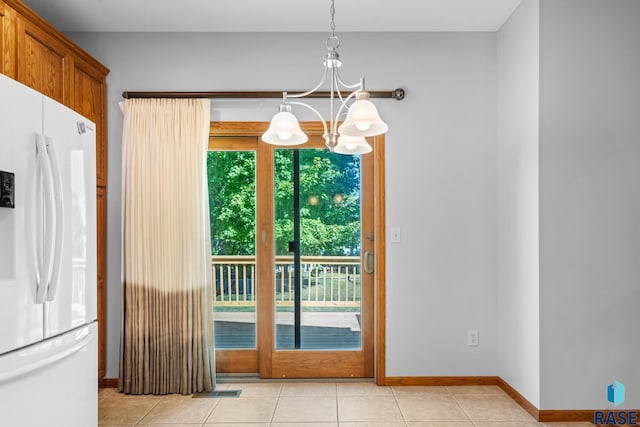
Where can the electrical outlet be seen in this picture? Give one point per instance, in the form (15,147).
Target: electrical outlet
(472,338)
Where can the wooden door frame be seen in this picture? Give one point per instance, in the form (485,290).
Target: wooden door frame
(262,362)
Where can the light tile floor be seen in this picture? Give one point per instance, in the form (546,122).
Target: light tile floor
(322,404)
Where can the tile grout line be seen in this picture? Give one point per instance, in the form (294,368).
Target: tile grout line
(337,407)
(453,396)
(455,399)
(497,395)
(395,399)
(149,411)
(215,405)
(275,408)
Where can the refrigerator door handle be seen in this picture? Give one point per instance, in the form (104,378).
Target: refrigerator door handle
(40,364)
(59,223)
(46,267)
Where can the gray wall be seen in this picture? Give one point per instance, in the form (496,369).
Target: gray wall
(441,166)
(589,201)
(568,201)
(518,203)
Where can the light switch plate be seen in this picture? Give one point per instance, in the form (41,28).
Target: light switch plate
(396,234)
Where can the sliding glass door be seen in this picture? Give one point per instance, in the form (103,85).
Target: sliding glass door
(318,251)
(292,237)
(232,207)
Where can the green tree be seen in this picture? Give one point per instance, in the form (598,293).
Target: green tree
(232,202)
(329,202)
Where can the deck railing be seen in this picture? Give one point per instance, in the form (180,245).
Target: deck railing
(326,281)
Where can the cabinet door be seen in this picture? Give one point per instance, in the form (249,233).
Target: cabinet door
(3,28)
(89,100)
(41,60)
(7,40)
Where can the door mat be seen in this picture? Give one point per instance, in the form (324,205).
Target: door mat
(219,393)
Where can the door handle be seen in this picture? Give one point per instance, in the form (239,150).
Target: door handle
(46,266)
(59,223)
(369,264)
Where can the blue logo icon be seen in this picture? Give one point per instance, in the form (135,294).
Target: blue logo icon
(615,393)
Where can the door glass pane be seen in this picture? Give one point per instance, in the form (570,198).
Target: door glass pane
(329,247)
(232,201)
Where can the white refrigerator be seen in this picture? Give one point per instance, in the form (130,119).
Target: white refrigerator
(48,332)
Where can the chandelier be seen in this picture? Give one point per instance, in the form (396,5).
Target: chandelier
(362,118)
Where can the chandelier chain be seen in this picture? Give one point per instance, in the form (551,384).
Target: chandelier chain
(332,11)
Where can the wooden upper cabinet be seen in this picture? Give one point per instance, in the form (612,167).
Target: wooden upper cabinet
(37,55)
(42,60)
(4,26)
(7,40)
(87,93)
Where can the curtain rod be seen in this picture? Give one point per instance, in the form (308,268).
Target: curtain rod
(397,94)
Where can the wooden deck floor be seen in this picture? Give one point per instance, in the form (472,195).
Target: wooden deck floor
(239,335)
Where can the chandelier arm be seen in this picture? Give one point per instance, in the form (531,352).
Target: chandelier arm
(344,104)
(309,92)
(347,86)
(343,101)
(359,88)
(340,95)
(338,86)
(324,125)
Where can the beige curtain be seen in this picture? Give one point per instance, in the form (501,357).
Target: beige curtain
(166,329)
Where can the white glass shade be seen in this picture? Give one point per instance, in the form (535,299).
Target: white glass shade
(284,130)
(352,145)
(363,120)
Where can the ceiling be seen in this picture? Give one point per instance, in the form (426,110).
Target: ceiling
(273,15)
